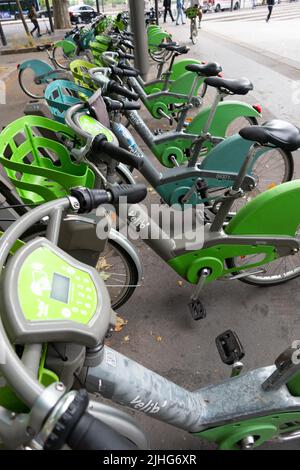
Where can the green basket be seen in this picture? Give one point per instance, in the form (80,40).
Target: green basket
(79,69)
(192,12)
(37,162)
(97,51)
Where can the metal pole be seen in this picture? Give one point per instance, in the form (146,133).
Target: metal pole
(156,12)
(138,27)
(2,35)
(50,16)
(97,6)
(23,18)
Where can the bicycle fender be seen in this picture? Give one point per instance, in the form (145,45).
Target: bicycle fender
(68,46)
(227,111)
(39,67)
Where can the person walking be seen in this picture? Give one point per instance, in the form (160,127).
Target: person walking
(270,4)
(180,12)
(33,16)
(167,7)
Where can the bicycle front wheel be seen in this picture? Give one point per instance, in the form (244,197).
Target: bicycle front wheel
(60,59)
(194,32)
(117,269)
(27,81)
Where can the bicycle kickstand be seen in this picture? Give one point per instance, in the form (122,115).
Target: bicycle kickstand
(195,305)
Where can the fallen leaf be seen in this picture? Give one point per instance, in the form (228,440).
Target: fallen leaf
(180,283)
(158,339)
(126,338)
(150,190)
(120,324)
(103,264)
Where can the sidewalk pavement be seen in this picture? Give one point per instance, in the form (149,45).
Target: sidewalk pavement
(278,39)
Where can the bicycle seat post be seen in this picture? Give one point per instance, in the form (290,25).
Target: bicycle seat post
(168,73)
(235,192)
(203,136)
(188,105)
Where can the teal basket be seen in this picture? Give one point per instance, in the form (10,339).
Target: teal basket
(63,94)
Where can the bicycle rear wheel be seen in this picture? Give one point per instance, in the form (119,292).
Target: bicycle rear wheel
(277,272)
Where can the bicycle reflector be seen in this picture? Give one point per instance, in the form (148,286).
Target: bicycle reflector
(258,108)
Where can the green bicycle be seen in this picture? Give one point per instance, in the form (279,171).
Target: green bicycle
(58,339)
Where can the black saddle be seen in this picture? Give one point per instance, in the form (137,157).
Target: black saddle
(164,45)
(174,47)
(205,70)
(279,133)
(239,86)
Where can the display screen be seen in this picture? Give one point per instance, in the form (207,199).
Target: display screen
(60,288)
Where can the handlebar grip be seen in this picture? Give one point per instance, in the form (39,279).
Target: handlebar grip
(124,71)
(90,199)
(128,44)
(123,65)
(134,193)
(100,144)
(114,105)
(113,87)
(131,106)
(126,56)
(92,434)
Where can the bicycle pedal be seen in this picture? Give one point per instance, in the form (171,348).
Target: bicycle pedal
(230,348)
(197,309)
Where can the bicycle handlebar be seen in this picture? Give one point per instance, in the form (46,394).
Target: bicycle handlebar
(101,145)
(90,433)
(114,87)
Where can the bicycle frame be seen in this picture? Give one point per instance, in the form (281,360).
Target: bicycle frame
(225,413)
(211,121)
(259,403)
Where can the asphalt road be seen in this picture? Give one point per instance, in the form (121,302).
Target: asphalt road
(266,319)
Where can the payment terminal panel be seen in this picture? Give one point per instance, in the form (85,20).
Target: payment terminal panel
(50,296)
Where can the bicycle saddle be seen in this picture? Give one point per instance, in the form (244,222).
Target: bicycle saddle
(282,134)
(208,70)
(239,86)
(178,49)
(164,45)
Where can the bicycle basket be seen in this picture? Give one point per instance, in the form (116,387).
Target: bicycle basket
(79,69)
(38,163)
(62,94)
(192,12)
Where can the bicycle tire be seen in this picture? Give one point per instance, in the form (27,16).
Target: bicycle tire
(24,88)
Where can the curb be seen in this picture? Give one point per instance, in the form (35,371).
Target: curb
(7,75)
(20,51)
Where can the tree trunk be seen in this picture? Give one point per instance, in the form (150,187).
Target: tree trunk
(61,14)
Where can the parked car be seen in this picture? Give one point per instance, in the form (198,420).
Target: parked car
(44,13)
(82,14)
(226,5)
